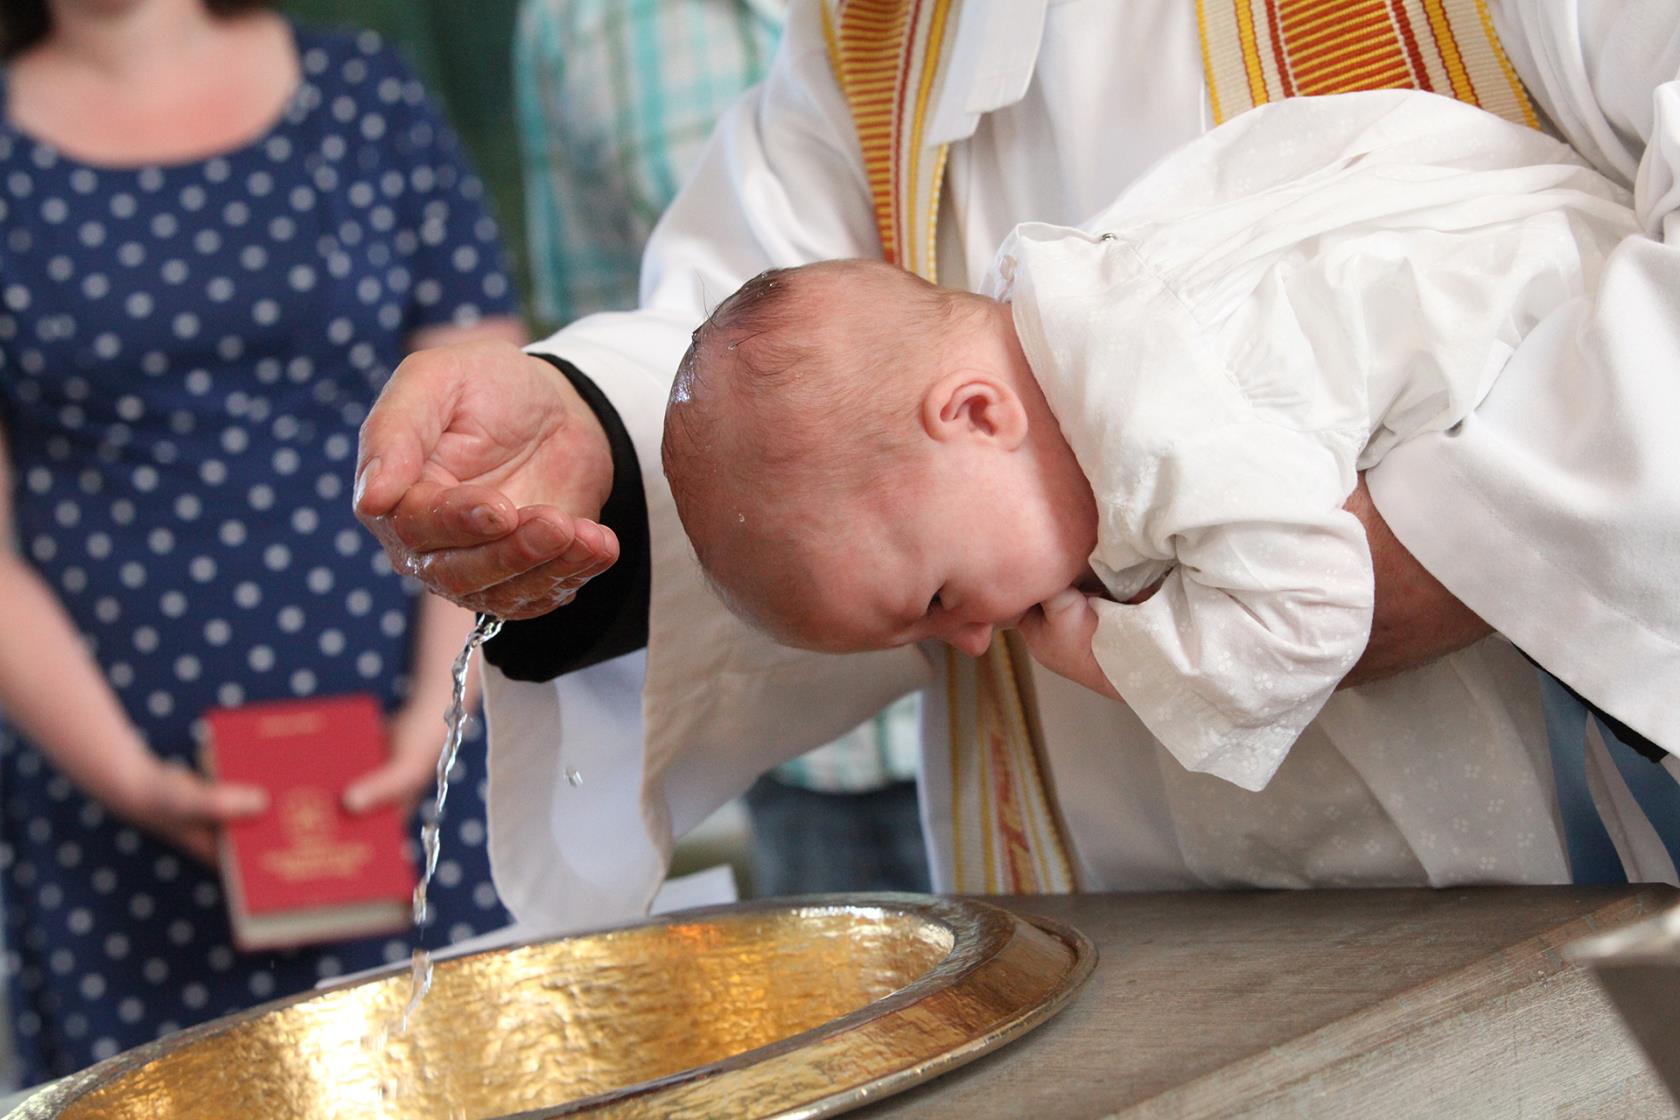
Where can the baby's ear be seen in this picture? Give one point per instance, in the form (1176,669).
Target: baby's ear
(971,405)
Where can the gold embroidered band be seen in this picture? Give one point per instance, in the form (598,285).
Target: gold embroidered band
(1255,51)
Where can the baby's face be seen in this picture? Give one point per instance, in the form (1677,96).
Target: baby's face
(954,562)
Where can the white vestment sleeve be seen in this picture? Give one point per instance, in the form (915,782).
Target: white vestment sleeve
(781,183)
(1552,511)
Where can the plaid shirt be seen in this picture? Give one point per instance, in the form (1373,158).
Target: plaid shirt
(616,98)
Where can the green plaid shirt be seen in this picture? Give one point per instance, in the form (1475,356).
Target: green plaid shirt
(615,100)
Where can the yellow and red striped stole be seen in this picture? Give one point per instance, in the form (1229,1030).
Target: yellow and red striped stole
(1006,837)
(886,55)
(1255,51)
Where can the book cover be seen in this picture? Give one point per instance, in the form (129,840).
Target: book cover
(305,870)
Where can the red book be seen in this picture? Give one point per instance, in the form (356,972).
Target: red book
(306,871)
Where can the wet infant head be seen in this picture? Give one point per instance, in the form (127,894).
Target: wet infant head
(845,440)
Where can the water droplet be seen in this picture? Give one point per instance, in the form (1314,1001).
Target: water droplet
(419,983)
(573,777)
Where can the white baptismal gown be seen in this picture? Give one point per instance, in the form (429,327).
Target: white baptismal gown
(1247,326)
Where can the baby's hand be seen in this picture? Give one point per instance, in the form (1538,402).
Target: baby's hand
(1058,634)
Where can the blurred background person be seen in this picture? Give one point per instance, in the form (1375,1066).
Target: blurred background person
(219,232)
(615,100)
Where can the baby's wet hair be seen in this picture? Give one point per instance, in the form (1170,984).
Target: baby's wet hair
(825,392)
(799,391)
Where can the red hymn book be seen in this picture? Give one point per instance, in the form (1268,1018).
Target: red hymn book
(305,870)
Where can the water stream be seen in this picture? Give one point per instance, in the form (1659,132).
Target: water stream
(455,720)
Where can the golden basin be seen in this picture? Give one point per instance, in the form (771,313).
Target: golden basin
(782,1008)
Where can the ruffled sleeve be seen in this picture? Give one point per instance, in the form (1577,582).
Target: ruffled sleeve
(1266,600)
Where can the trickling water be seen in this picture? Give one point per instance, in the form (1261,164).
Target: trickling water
(419,983)
(455,719)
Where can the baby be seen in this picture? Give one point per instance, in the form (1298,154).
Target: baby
(1135,446)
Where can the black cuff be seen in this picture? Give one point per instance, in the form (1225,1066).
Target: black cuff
(609,617)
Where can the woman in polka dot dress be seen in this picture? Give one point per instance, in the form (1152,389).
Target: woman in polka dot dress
(218,234)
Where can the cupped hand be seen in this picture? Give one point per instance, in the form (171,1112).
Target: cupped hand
(481,471)
(185,808)
(1058,634)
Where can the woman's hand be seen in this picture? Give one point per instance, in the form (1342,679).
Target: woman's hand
(416,732)
(481,471)
(181,806)
(1058,634)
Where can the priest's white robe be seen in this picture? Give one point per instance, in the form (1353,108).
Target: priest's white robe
(1552,511)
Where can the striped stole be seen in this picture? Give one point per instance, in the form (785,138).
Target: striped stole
(1006,837)
(1255,51)
(886,55)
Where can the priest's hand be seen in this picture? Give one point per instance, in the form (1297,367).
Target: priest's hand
(481,471)
(1058,634)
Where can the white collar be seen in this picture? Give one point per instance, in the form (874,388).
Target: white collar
(991,64)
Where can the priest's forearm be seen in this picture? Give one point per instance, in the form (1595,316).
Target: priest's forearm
(1415,619)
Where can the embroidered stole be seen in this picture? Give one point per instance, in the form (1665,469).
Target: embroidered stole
(887,56)
(1255,51)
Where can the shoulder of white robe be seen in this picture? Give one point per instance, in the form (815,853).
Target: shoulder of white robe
(991,64)
(1592,68)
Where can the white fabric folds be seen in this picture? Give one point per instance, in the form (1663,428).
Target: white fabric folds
(1266,312)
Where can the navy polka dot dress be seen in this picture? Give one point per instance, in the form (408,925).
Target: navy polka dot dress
(185,354)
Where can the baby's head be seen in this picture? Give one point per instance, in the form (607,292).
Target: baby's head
(863,460)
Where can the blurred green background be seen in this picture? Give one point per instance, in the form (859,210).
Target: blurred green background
(464,51)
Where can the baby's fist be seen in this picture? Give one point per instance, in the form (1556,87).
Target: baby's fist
(1058,634)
